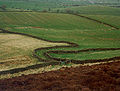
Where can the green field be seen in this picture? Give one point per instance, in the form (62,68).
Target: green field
(46,20)
(40,4)
(88,55)
(96,36)
(91,9)
(48,5)
(110,19)
(65,27)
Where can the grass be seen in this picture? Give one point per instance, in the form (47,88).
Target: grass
(45,20)
(36,71)
(40,4)
(109,19)
(54,27)
(63,27)
(92,10)
(86,39)
(88,55)
(16,50)
(52,4)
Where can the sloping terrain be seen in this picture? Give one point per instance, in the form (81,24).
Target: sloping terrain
(110,19)
(40,4)
(45,21)
(16,50)
(105,77)
(48,5)
(89,40)
(83,34)
(91,10)
(59,40)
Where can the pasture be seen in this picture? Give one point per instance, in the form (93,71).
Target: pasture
(40,5)
(46,20)
(80,31)
(91,10)
(77,38)
(49,5)
(110,19)
(56,45)
(16,50)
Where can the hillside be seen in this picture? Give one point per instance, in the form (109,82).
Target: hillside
(46,21)
(47,5)
(71,28)
(40,4)
(110,19)
(80,39)
(92,9)
(78,33)
(103,77)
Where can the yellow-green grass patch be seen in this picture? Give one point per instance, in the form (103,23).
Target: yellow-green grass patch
(16,50)
(50,68)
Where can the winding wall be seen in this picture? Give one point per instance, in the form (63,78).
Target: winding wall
(57,61)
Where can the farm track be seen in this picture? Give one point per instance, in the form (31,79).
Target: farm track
(57,61)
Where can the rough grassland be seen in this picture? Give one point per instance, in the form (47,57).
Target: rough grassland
(87,34)
(84,32)
(105,77)
(16,50)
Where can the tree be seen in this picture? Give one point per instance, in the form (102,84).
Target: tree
(58,10)
(49,9)
(3,7)
(44,10)
(69,11)
(118,1)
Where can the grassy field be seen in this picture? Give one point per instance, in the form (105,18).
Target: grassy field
(88,55)
(84,32)
(92,9)
(110,19)
(41,5)
(46,4)
(45,20)
(16,50)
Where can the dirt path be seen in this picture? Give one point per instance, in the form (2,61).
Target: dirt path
(103,77)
